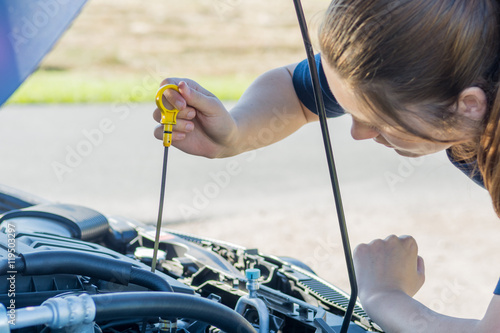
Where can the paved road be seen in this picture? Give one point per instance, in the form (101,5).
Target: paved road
(105,157)
(277,198)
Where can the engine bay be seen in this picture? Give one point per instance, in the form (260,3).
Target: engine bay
(69,268)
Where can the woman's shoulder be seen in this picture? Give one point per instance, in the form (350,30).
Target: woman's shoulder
(470,169)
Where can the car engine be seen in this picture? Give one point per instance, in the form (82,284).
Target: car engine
(68,268)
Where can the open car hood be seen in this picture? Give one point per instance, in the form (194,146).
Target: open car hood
(28,31)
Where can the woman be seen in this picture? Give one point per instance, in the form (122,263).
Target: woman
(417,76)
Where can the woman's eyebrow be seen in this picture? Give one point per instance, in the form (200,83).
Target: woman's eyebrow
(353,116)
(385,128)
(359,120)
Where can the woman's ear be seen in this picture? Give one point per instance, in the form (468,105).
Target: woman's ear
(473,103)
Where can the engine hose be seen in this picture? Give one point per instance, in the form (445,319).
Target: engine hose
(173,305)
(87,264)
(149,280)
(6,266)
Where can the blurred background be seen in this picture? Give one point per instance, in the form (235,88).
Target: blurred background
(113,45)
(80,131)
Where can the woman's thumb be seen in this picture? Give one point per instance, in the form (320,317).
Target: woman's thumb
(197,98)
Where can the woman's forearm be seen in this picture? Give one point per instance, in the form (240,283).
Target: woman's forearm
(396,312)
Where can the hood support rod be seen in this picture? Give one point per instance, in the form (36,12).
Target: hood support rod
(320,107)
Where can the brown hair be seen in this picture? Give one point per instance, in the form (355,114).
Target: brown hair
(409,60)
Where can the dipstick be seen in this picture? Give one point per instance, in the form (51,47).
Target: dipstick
(168,119)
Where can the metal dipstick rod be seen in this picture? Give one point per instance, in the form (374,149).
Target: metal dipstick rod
(168,119)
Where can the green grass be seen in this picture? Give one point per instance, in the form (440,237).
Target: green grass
(45,87)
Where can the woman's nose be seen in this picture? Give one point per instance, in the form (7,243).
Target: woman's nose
(360,131)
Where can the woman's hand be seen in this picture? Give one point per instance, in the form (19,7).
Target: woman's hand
(204,126)
(268,111)
(390,265)
(389,273)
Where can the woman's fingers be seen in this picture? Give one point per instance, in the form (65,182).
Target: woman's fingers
(421,267)
(184,126)
(389,264)
(173,100)
(179,130)
(204,127)
(190,93)
(199,98)
(187,113)
(176,136)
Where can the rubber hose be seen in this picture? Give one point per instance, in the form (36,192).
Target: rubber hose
(92,265)
(173,305)
(5,266)
(149,280)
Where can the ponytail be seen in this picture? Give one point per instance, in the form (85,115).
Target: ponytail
(488,153)
(488,149)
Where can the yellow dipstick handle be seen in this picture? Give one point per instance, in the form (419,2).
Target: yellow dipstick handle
(168,117)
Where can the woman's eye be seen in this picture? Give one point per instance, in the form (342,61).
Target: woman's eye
(371,126)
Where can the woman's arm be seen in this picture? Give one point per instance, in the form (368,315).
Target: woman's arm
(396,311)
(389,273)
(268,111)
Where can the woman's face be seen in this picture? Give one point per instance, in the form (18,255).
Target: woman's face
(404,144)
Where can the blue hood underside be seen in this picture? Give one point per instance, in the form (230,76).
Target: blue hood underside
(28,31)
